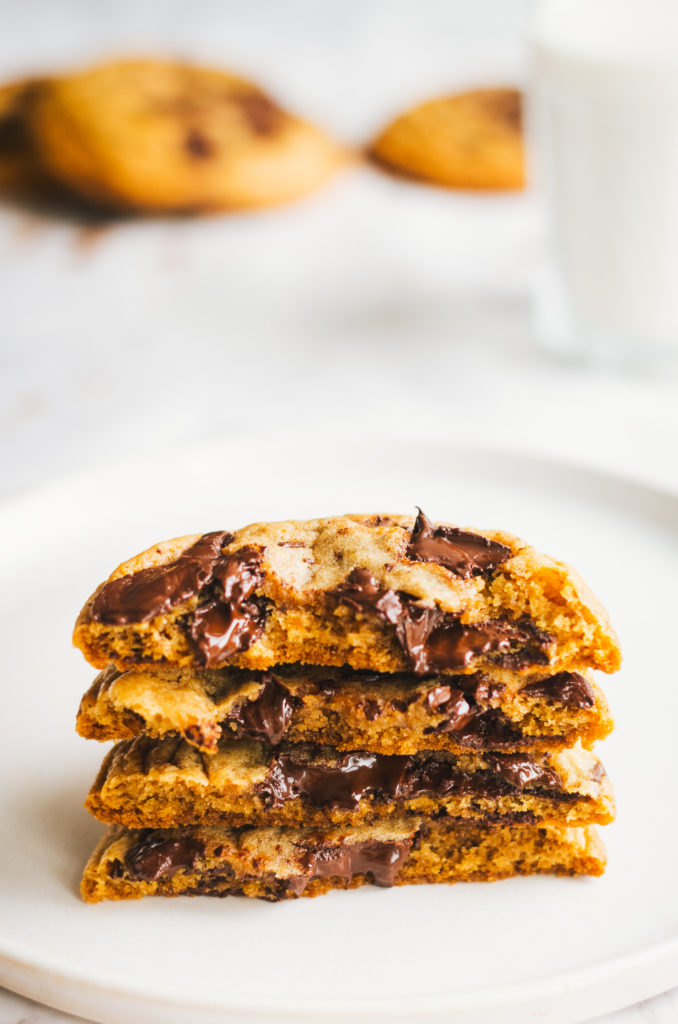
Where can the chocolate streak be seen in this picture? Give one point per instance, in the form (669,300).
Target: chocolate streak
(140,596)
(343,784)
(434,640)
(230,621)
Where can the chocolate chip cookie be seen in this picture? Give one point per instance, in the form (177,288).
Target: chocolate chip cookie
(472,140)
(276,864)
(302,706)
(162,136)
(385,593)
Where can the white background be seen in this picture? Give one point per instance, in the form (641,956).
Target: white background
(374,303)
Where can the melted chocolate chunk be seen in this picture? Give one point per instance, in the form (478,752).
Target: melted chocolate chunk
(381,860)
(231,618)
(473,725)
(230,623)
(362,592)
(486,730)
(436,641)
(569,688)
(455,706)
(520,771)
(341,785)
(465,554)
(269,713)
(142,595)
(344,783)
(155,856)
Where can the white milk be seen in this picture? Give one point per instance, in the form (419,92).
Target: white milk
(605,119)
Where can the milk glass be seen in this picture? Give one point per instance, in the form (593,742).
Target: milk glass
(604,131)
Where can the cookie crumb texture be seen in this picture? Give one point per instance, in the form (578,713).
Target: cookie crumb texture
(155,135)
(275,864)
(347,709)
(384,593)
(167,783)
(472,140)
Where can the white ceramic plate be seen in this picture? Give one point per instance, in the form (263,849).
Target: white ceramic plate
(555,950)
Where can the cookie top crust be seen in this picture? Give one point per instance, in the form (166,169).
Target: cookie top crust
(301,559)
(428,596)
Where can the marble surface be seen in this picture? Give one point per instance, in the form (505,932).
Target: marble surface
(374,305)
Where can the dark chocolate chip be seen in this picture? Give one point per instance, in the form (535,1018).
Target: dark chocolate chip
(465,554)
(362,592)
(269,714)
(457,710)
(520,771)
(155,856)
(569,688)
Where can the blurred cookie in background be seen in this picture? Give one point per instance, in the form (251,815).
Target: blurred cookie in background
(159,136)
(20,172)
(472,140)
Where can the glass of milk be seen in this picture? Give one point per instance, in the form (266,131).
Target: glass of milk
(604,120)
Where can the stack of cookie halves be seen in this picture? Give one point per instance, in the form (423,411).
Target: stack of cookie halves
(305,706)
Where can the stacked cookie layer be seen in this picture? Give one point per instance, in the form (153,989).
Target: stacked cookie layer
(302,706)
